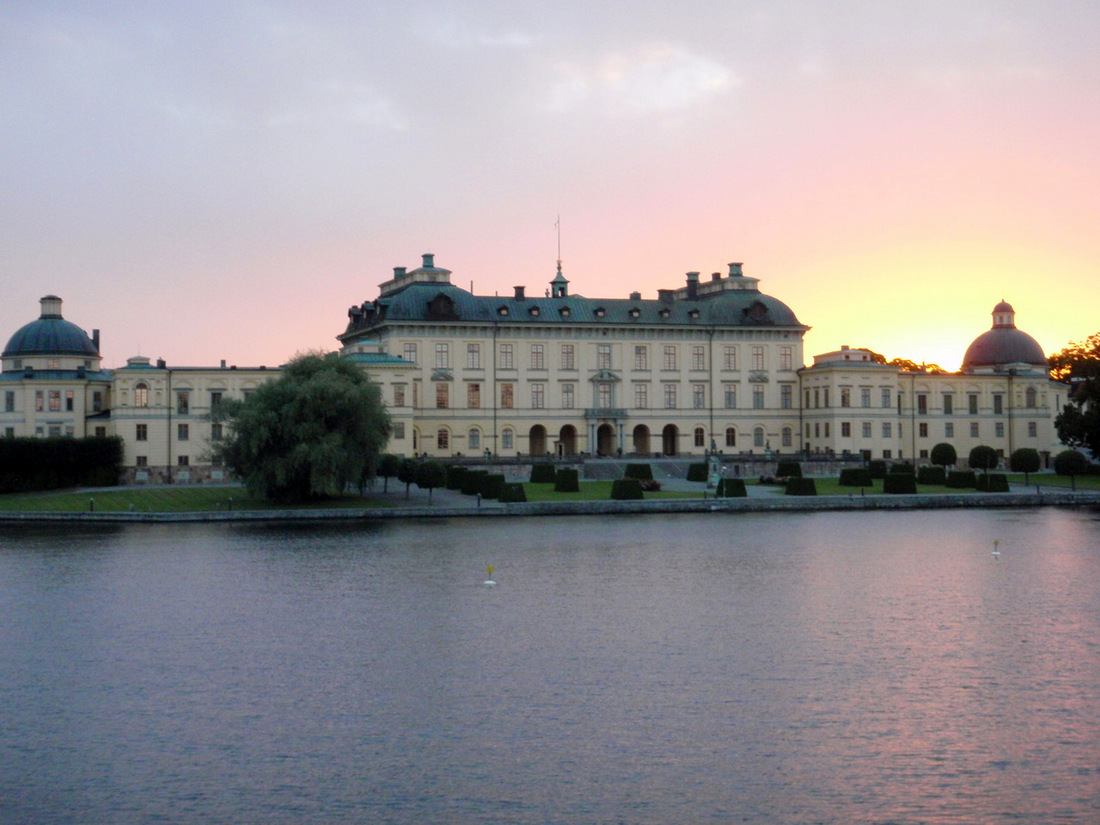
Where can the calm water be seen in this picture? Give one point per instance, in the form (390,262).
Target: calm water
(831,667)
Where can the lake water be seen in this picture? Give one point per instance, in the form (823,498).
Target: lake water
(760,668)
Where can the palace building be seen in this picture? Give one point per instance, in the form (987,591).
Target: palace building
(710,366)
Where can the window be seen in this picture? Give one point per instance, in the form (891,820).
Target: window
(442,356)
(603,396)
(100,432)
(700,437)
(698,396)
(603,356)
(1032,429)
(641,396)
(410,353)
(442,395)
(887,430)
(473,439)
(141,461)
(216,431)
(142,432)
(922,403)
(399,396)
(757,358)
(473,356)
(923,429)
(141,395)
(567,357)
(826,393)
(787,437)
(865,397)
(55,400)
(537,362)
(758,437)
(670,396)
(641,358)
(786,396)
(817,397)
(538,396)
(670,358)
(68,400)
(998,404)
(948,404)
(9,401)
(215,399)
(785,358)
(183,431)
(473,396)
(887,453)
(973,429)
(807,399)
(698,358)
(506,361)
(1029,398)
(730,393)
(729,358)
(506,396)
(949,430)
(999,429)
(399,429)
(443,439)
(183,461)
(38,400)
(972,403)
(846,429)
(866,429)
(758,397)
(845,397)
(731,437)
(826,429)
(885,397)
(507,438)
(567,402)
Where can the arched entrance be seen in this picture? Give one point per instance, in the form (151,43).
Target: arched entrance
(641,439)
(537,440)
(567,440)
(605,440)
(670,437)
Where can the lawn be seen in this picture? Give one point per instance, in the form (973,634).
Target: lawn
(594,491)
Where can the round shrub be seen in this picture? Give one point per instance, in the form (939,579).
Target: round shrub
(542,474)
(512,493)
(566,480)
(983,457)
(801,487)
(789,469)
(877,468)
(642,472)
(731,488)
(932,475)
(944,455)
(899,483)
(626,489)
(961,480)
(697,471)
(1025,460)
(1071,463)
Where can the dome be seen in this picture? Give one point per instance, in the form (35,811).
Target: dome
(1003,344)
(50,335)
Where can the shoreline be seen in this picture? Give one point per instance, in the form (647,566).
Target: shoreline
(484,509)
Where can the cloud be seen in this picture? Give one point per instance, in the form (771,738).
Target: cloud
(656,78)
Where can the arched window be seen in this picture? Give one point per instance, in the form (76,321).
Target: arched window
(473,440)
(758,437)
(1029,396)
(787,437)
(141,395)
(443,439)
(507,439)
(700,437)
(731,437)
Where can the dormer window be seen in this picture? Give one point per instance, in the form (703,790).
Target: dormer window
(565,312)
(635,312)
(665,313)
(533,311)
(693,314)
(502,311)
(600,312)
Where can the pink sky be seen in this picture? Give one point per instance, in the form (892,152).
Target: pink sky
(209,180)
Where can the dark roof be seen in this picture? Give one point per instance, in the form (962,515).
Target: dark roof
(50,335)
(445,302)
(1003,345)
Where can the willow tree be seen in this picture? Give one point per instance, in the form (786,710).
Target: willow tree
(311,433)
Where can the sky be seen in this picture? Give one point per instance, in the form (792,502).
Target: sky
(222,180)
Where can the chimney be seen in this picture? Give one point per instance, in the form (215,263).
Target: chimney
(519,293)
(429,260)
(161,364)
(692,286)
(398,271)
(716,276)
(95,339)
(223,363)
(635,296)
(664,296)
(735,270)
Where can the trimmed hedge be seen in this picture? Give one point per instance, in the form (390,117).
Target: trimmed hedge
(455,475)
(799,486)
(471,482)
(961,479)
(899,483)
(642,472)
(512,492)
(931,474)
(542,473)
(51,463)
(855,477)
(491,485)
(731,488)
(902,468)
(877,468)
(992,483)
(697,471)
(566,480)
(789,469)
(626,489)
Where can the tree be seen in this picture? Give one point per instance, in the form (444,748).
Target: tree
(944,455)
(1025,460)
(1071,463)
(406,473)
(316,429)
(387,468)
(911,366)
(983,458)
(1078,424)
(429,475)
